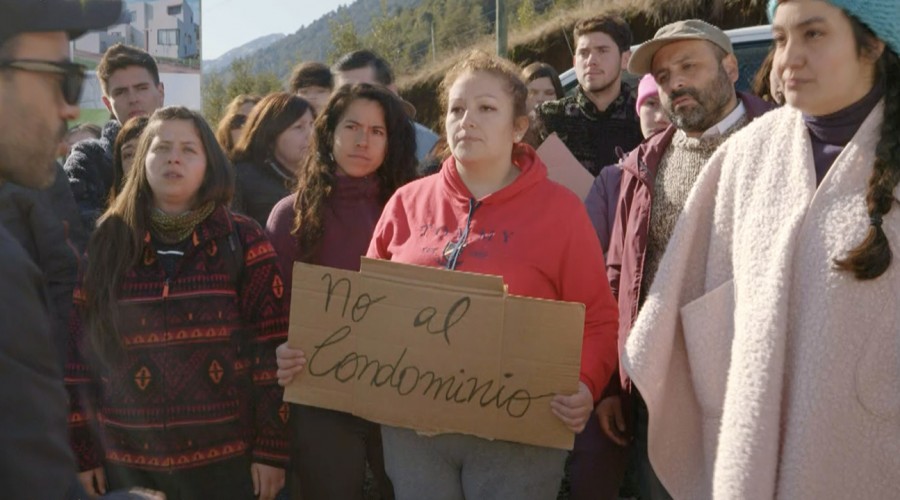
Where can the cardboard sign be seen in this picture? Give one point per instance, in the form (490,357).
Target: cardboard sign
(563,168)
(434,350)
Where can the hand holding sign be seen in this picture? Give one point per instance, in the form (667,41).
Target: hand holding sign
(290,363)
(436,351)
(574,410)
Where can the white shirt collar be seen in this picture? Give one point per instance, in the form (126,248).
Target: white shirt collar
(727,122)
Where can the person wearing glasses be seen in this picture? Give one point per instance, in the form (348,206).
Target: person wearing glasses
(231,125)
(39,93)
(492,210)
(363,150)
(129,81)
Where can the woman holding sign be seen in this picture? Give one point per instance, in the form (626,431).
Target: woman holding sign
(363,150)
(178,314)
(503,217)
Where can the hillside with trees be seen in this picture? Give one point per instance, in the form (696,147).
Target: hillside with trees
(401,30)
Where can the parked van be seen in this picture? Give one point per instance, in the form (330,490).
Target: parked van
(751,46)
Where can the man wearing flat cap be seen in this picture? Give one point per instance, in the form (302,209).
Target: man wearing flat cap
(695,68)
(39,92)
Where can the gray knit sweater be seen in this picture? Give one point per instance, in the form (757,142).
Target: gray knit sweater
(678,170)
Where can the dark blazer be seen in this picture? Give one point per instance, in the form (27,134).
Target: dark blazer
(47,226)
(36,461)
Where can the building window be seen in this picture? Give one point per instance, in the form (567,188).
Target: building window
(167,37)
(174,10)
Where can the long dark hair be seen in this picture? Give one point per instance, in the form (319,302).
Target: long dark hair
(117,244)
(130,131)
(537,70)
(317,178)
(871,258)
(760,86)
(271,116)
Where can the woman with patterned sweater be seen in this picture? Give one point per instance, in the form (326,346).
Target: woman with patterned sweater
(178,314)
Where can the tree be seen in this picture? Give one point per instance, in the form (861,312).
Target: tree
(526,15)
(389,38)
(460,24)
(343,37)
(217,93)
(215,97)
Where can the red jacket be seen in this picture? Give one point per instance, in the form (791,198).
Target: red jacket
(628,241)
(534,232)
(196,383)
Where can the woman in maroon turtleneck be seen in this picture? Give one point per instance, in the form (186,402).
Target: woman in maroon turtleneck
(363,150)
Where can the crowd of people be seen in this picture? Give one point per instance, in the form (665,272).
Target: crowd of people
(733,254)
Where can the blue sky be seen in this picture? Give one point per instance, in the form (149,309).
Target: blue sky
(227,24)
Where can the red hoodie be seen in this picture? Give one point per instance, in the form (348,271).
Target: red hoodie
(534,232)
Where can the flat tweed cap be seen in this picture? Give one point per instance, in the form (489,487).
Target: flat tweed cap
(691,29)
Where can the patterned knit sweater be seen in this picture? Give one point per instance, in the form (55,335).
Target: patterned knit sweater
(196,383)
(590,134)
(678,170)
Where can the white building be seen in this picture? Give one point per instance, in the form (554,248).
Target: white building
(164,28)
(172,32)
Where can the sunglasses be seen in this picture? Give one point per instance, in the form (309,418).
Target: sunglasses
(238,121)
(72,74)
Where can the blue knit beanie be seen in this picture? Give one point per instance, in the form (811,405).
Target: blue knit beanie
(880,16)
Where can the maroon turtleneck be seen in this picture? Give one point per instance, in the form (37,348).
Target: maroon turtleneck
(830,133)
(351,212)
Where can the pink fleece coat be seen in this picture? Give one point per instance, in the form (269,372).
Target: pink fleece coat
(768,373)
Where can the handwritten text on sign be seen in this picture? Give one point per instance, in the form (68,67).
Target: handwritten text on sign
(434,350)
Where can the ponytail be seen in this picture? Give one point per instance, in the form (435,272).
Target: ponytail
(871,258)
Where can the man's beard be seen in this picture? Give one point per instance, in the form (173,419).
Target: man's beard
(709,108)
(30,161)
(597,88)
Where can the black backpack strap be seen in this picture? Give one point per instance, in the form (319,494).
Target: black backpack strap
(233,254)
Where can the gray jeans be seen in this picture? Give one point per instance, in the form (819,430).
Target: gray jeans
(458,466)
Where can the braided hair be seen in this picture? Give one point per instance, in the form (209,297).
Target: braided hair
(871,258)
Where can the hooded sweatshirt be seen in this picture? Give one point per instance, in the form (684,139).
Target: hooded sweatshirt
(351,212)
(534,233)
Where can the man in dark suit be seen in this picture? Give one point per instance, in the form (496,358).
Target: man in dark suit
(39,91)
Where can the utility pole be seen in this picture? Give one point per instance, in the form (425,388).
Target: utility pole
(433,44)
(428,17)
(501,28)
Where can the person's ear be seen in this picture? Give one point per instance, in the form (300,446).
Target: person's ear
(520,127)
(626,56)
(730,64)
(876,50)
(108,104)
